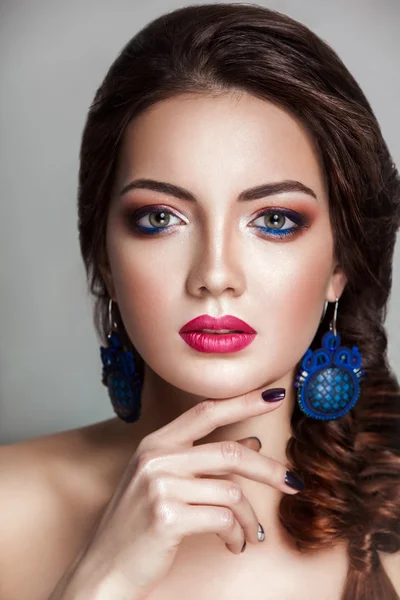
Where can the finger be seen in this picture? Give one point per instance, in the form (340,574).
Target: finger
(204,417)
(218,458)
(251,442)
(214,492)
(193,519)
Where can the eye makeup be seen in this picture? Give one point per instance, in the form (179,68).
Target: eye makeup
(159,219)
(276,215)
(161,216)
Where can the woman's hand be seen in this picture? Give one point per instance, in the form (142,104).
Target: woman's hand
(163,497)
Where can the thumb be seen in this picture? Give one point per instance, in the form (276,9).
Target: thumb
(254,443)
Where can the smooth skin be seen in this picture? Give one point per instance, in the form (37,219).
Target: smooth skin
(160,501)
(113,509)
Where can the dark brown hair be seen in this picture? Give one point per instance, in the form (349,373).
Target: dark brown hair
(351,465)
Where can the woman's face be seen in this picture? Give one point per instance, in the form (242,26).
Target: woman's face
(172,259)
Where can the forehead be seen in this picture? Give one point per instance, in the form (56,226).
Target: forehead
(231,140)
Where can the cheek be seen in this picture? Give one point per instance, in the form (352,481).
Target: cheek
(294,299)
(144,289)
(306,288)
(305,302)
(307,268)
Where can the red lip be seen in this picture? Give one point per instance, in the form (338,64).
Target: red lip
(217,342)
(208,322)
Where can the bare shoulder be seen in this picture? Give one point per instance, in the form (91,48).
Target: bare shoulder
(391,564)
(50,498)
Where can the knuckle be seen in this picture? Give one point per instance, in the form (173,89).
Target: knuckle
(145,462)
(157,489)
(164,516)
(206,408)
(248,399)
(231,451)
(275,471)
(235,493)
(227,519)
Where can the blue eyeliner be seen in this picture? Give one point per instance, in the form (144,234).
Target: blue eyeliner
(293,216)
(147,210)
(277,233)
(301,222)
(151,230)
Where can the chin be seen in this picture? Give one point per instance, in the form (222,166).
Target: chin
(216,383)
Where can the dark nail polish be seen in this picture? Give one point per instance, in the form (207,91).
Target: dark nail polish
(294,481)
(261,534)
(253,437)
(244,546)
(274,394)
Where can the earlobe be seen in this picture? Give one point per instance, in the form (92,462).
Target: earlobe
(336,285)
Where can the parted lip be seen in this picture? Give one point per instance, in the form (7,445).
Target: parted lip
(217,323)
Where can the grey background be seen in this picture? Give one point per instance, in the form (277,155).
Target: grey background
(53,56)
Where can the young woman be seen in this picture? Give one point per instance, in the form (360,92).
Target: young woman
(238,210)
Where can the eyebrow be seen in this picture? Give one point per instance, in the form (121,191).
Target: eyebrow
(254,193)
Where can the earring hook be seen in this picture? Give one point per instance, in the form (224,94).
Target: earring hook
(110,319)
(333,323)
(324,311)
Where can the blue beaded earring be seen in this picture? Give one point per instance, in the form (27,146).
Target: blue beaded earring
(120,376)
(329,384)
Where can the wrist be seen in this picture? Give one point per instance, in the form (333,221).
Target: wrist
(90,584)
(95,587)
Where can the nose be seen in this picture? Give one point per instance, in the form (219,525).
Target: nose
(216,266)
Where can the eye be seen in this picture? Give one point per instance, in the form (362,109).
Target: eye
(153,221)
(273,221)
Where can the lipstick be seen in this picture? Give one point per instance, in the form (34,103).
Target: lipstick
(217,335)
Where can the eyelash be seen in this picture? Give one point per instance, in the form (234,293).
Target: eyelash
(300,221)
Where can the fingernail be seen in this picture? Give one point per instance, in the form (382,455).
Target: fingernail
(294,481)
(261,534)
(274,394)
(244,546)
(253,437)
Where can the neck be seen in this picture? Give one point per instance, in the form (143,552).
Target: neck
(162,403)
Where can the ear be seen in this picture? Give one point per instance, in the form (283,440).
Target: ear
(336,284)
(105,272)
